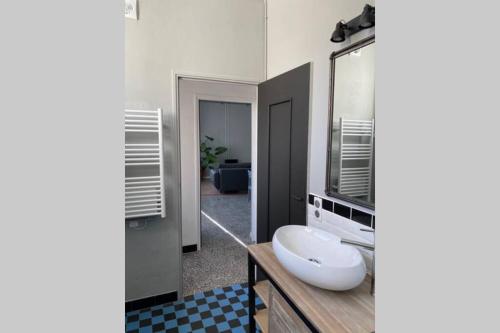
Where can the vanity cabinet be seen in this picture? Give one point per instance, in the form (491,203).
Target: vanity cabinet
(295,306)
(282,318)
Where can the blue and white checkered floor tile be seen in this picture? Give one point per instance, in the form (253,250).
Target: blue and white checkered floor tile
(218,310)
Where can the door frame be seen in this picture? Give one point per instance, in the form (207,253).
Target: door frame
(176,76)
(253,110)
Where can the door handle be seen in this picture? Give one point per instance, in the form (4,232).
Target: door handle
(295,197)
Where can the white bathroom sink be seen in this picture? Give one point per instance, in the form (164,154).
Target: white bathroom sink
(317,257)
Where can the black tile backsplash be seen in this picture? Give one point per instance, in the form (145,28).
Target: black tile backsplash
(311,199)
(362,217)
(327,205)
(342,210)
(366,219)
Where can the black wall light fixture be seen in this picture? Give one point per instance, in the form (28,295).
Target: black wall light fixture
(367,17)
(338,35)
(363,21)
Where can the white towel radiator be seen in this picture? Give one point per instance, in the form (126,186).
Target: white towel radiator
(356,181)
(144,190)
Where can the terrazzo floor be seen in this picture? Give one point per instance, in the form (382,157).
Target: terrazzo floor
(221,261)
(231,211)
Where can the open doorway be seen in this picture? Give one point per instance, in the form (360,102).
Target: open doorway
(225,155)
(218,122)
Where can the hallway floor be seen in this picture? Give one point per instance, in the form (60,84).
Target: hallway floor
(221,260)
(232,211)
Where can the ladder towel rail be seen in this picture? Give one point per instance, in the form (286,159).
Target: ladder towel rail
(145,192)
(356,181)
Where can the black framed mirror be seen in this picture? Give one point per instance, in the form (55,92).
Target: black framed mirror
(350,170)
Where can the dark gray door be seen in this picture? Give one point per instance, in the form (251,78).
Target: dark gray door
(282,151)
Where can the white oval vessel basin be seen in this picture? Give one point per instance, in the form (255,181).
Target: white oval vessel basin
(317,257)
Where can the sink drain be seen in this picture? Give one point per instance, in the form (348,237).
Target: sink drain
(316,261)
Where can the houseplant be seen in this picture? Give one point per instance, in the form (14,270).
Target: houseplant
(208,154)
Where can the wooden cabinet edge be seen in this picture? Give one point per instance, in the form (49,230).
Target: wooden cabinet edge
(262,290)
(262,319)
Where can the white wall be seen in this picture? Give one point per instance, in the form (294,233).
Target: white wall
(190,93)
(299,31)
(213,37)
(229,124)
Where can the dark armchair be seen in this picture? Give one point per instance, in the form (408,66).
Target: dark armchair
(231,177)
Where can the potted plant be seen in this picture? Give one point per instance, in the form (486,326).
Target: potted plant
(208,154)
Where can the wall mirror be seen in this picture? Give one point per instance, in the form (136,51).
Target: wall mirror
(351,136)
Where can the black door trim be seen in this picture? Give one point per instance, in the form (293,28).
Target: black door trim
(281,101)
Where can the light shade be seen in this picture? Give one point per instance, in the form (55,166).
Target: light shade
(339,33)
(367,17)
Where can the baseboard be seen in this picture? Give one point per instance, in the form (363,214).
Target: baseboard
(150,301)
(189,248)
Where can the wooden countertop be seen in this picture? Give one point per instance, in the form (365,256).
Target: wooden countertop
(329,311)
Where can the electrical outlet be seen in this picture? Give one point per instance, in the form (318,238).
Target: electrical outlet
(317,208)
